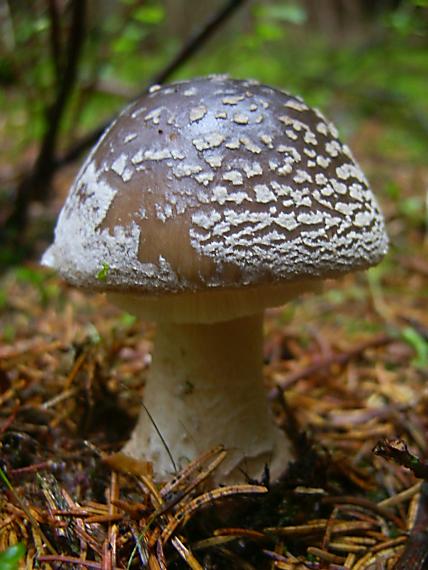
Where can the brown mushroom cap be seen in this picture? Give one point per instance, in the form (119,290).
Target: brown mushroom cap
(216,184)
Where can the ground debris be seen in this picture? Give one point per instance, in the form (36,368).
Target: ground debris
(349,380)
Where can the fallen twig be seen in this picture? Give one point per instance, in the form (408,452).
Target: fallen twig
(324,363)
(397,451)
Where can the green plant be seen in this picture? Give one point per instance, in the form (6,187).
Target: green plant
(10,558)
(418,344)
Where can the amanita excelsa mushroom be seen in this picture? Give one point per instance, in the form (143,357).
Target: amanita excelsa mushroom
(205,202)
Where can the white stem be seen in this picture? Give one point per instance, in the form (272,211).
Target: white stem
(205,388)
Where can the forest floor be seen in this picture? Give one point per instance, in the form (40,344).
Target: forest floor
(346,372)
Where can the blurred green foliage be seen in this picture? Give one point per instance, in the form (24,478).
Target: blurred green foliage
(378,68)
(41,281)
(11,557)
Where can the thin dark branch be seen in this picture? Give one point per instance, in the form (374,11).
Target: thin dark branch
(198,39)
(55,37)
(195,43)
(397,451)
(45,159)
(35,184)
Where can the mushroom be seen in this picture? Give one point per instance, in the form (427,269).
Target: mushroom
(205,202)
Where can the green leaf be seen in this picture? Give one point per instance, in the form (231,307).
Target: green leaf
(268,31)
(127,320)
(129,40)
(419,345)
(290,12)
(149,14)
(9,559)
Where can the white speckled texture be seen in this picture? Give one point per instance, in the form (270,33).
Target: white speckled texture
(215,183)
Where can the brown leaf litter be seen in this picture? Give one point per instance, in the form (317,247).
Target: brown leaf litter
(344,378)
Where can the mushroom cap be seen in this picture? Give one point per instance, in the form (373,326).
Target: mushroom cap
(216,184)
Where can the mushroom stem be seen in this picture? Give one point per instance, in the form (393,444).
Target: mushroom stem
(205,388)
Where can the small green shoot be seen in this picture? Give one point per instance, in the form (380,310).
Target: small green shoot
(7,483)
(103,272)
(127,320)
(93,334)
(419,345)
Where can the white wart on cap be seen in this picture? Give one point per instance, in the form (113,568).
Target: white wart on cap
(216,184)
